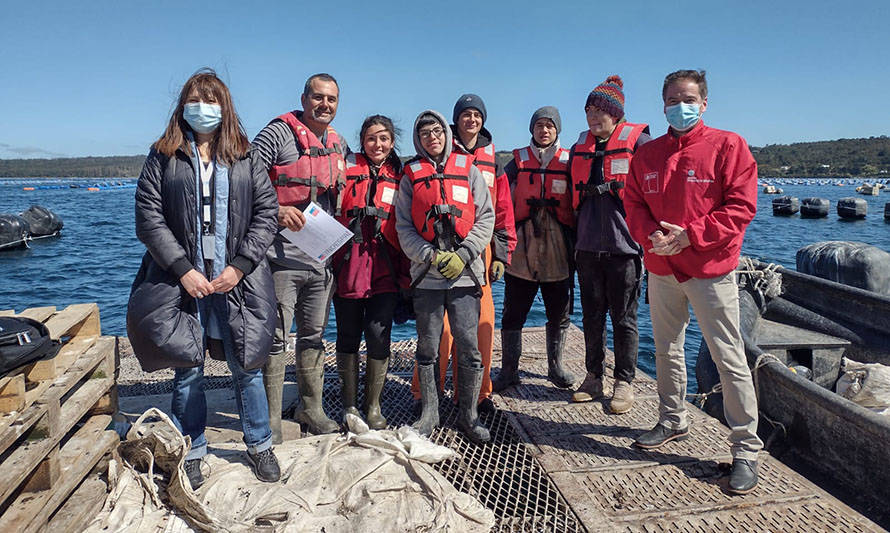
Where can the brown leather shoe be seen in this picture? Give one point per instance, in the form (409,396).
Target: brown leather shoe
(622,397)
(590,389)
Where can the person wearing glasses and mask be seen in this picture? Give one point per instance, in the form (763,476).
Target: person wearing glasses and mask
(444,221)
(205,211)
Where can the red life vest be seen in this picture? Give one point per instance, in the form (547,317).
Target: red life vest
(356,202)
(616,161)
(318,170)
(485,161)
(537,188)
(443,201)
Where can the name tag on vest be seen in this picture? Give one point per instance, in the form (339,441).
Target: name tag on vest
(558,186)
(620,166)
(460,193)
(489,178)
(387,195)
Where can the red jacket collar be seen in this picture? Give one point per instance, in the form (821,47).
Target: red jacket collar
(690,135)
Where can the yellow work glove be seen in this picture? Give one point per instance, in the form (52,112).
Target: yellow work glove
(496,271)
(450,264)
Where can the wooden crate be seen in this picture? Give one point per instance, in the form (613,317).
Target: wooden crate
(54,416)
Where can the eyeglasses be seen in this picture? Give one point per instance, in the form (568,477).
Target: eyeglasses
(434,132)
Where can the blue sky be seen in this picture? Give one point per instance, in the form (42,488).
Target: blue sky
(99,78)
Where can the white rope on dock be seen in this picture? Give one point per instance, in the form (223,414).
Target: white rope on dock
(766,280)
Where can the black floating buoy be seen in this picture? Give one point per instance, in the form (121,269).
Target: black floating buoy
(887,211)
(814,208)
(851,207)
(785,206)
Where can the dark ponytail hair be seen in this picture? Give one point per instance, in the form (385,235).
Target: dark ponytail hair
(386,122)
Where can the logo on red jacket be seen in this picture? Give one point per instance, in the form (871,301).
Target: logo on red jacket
(650,183)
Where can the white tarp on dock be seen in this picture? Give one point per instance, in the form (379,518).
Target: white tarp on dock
(365,481)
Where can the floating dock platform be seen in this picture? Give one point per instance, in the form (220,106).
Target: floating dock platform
(558,466)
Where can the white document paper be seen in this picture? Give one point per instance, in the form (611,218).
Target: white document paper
(321,236)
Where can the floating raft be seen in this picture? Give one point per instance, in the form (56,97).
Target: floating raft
(557,466)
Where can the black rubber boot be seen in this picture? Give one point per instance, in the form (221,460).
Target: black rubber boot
(511,349)
(347,369)
(556,373)
(469,380)
(310,378)
(429,399)
(375,379)
(273,381)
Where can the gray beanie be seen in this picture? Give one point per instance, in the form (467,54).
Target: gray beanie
(548,111)
(467,101)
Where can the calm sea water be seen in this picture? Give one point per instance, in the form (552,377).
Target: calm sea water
(98,254)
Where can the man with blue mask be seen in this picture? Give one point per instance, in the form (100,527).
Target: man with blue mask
(690,195)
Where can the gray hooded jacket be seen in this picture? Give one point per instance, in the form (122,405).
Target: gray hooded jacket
(422,252)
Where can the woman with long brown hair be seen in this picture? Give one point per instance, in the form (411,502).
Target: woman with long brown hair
(206,212)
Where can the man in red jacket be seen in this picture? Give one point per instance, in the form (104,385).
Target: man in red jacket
(690,195)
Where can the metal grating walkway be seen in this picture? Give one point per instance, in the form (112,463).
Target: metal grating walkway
(558,466)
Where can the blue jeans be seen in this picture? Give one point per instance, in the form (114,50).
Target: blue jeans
(189,405)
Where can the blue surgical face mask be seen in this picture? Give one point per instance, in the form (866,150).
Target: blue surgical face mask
(203,118)
(682,116)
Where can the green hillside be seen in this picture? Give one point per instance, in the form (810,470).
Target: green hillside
(841,158)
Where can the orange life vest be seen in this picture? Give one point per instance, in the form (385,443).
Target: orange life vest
(442,207)
(320,168)
(616,162)
(548,188)
(356,202)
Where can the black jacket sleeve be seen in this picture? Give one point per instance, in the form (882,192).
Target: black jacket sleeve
(151,226)
(263,219)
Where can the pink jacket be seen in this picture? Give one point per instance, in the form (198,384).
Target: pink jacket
(705,181)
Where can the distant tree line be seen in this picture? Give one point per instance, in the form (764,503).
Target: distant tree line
(828,159)
(122,166)
(841,158)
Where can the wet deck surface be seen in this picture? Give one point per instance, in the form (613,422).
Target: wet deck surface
(558,466)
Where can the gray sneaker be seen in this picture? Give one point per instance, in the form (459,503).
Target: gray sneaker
(193,472)
(265,465)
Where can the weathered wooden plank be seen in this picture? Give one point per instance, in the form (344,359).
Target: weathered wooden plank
(80,508)
(30,512)
(13,425)
(78,319)
(42,437)
(45,475)
(12,393)
(40,314)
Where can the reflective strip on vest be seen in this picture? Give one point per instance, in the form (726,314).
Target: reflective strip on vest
(625,133)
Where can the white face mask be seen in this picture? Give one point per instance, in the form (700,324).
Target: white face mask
(203,118)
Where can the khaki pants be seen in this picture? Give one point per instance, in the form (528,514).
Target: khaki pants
(715,302)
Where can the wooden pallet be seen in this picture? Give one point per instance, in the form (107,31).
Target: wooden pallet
(54,418)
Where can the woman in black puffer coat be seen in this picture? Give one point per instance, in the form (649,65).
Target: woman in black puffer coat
(206,212)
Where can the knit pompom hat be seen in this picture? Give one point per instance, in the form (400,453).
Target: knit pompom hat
(609,97)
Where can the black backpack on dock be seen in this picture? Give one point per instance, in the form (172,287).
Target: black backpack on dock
(23,340)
